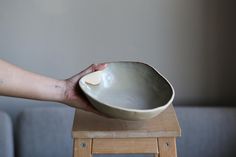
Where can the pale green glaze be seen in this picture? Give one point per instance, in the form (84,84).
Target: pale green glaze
(129,90)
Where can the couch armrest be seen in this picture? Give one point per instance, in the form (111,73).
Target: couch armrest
(6,136)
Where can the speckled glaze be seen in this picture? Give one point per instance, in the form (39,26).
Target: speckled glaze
(130,91)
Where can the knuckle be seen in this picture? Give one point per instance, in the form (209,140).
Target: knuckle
(94,67)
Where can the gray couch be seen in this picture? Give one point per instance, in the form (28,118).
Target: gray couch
(46,132)
(6,136)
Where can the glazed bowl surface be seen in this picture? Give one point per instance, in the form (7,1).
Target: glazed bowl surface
(128,90)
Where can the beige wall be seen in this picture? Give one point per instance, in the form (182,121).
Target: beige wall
(191,42)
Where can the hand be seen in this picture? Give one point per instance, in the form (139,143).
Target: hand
(17,82)
(73,95)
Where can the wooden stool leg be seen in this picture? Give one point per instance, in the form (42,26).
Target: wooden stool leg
(167,147)
(82,147)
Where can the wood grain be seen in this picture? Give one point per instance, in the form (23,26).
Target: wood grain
(89,125)
(83,148)
(125,146)
(167,147)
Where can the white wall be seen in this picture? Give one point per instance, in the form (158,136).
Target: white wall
(188,41)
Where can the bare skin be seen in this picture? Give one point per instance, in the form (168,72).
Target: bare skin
(17,82)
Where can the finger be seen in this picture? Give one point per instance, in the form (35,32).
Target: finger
(89,108)
(94,67)
(82,73)
(93,110)
(85,105)
(100,67)
(91,68)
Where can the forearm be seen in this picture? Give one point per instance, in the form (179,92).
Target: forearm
(17,82)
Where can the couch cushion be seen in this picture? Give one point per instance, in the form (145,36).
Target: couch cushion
(6,136)
(44,132)
(207,131)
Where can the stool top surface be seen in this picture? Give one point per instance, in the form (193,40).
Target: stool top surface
(89,125)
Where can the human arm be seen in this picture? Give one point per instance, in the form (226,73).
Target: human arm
(17,82)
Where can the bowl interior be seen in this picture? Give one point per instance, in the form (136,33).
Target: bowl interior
(129,85)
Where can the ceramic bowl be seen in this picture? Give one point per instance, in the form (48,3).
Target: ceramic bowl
(128,90)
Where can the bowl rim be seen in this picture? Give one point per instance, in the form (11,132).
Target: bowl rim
(127,109)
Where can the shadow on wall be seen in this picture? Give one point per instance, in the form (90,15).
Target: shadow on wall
(221,48)
(218,55)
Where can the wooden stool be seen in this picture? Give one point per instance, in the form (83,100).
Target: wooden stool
(95,134)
